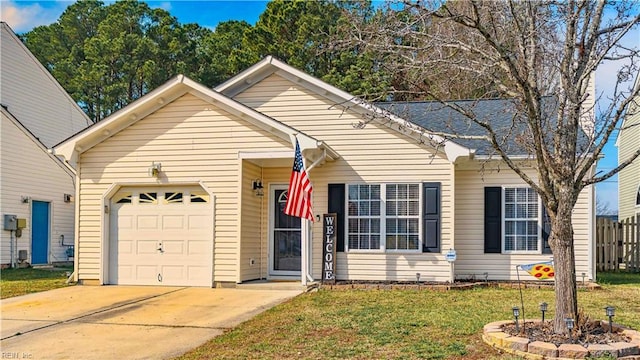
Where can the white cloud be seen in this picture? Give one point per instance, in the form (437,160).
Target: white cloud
(165,5)
(23,16)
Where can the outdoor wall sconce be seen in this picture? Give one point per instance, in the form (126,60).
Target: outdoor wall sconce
(258,188)
(543,309)
(516,313)
(25,199)
(570,323)
(154,169)
(611,312)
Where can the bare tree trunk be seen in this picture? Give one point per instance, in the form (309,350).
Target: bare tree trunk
(561,241)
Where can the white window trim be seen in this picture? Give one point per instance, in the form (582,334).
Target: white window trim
(502,240)
(383,217)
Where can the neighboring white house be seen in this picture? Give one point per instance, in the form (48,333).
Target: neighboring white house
(629,178)
(35,186)
(186,186)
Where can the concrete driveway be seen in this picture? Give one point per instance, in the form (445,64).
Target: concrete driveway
(124,322)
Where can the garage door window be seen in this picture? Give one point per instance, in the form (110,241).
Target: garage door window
(124,198)
(148,198)
(173,198)
(197,197)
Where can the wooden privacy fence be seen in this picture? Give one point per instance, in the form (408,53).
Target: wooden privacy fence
(618,244)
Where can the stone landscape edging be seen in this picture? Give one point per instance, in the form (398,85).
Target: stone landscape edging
(445,286)
(493,335)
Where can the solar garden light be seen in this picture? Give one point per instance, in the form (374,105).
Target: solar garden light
(570,323)
(516,313)
(418,278)
(543,309)
(611,312)
(583,276)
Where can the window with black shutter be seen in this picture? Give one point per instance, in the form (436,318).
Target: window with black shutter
(431,217)
(336,205)
(492,219)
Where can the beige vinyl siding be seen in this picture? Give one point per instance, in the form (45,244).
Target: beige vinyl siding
(251,242)
(33,96)
(469,239)
(27,170)
(375,154)
(629,177)
(194,141)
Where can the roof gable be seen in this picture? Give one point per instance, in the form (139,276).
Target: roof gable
(72,147)
(269,65)
(33,95)
(29,135)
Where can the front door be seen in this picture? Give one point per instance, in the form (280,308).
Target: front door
(39,232)
(285,238)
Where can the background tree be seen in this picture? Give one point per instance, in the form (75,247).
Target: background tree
(541,54)
(108,56)
(224,54)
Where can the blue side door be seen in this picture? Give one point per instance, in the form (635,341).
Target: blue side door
(39,232)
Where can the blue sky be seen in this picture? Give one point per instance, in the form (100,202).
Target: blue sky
(22,16)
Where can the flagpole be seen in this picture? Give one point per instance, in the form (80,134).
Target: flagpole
(304,230)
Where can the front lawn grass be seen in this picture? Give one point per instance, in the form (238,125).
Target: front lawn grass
(16,282)
(398,324)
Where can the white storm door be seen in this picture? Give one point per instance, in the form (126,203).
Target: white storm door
(285,256)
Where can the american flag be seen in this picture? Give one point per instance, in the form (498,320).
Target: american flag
(299,194)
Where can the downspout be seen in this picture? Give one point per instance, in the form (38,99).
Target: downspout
(75,180)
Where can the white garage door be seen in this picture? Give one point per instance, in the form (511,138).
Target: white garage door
(161,236)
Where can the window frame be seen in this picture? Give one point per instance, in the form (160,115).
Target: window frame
(383,219)
(539,223)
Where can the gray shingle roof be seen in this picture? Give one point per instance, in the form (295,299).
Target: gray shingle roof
(502,114)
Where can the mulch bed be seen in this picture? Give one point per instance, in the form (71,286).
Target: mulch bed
(591,332)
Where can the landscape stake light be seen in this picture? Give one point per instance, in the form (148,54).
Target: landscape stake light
(543,309)
(611,312)
(570,322)
(516,313)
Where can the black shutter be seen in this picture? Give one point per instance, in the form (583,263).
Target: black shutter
(546,231)
(493,220)
(431,217)
(336,205)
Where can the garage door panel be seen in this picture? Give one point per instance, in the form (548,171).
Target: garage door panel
(147,222)
(195,247)
(173,222)
(172,274)
(125,247)
(146,272)
(146,247)
(196,272)
(125,271)
(183,231)
(176,247)
(198,222)
(125,221)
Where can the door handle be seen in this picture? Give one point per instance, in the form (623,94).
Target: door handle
(160,247)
